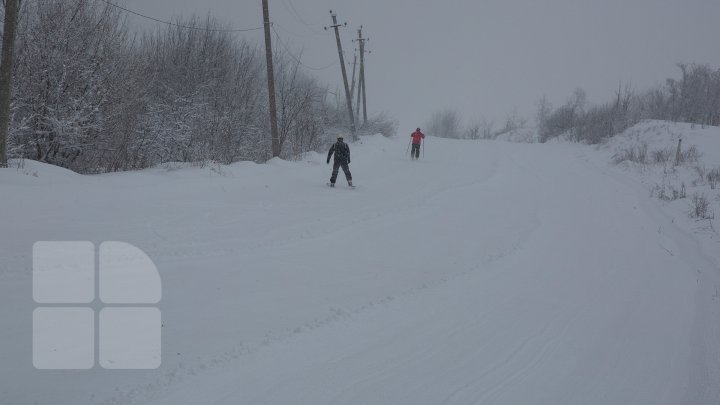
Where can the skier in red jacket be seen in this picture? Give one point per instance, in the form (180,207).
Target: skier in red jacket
(417,138)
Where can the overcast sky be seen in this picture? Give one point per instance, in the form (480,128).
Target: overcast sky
(483,58)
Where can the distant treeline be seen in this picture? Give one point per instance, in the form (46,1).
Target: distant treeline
(692,98)
(92,96)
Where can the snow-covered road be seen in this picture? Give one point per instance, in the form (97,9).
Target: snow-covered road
(487,272)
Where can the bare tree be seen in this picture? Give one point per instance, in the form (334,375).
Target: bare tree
(91,97)
(299,96)
(9,28)
(67,78)
(444,124)
(544,109)
(473,131)
(513,121)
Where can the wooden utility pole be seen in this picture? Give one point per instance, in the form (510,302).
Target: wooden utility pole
(11,11)
(361,86)
(352,83)
(348,98)
(271,81)
(359,94)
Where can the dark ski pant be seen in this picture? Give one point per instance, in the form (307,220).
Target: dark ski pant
(415,152)
(336,168)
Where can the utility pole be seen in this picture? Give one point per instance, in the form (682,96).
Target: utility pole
(352,83)
(11,11)
(359,94)
(271,81)
(348,98)
(362,40)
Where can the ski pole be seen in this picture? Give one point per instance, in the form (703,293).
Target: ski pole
(408,148)
(423,149)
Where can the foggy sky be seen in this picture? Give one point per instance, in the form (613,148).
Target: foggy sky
(483,58)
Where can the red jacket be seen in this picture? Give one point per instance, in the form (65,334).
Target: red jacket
(417,137)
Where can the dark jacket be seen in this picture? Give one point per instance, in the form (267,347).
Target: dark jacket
(341,151)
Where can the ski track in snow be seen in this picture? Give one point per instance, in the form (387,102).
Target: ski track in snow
(368,217)
(486,273)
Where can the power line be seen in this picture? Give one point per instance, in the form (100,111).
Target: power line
(287,49)
(310,28)
(179,25)
(296,13)
(294,34)
(272,25)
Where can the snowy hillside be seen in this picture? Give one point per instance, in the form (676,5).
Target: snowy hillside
(648,151)
(487,272)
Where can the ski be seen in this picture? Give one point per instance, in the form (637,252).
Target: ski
(333,186)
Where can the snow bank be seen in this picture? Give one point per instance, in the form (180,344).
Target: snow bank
(647,152)
(21,171)
(665,135)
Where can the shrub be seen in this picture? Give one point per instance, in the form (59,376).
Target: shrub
(713,177)
(689,155)
(661,155)
(669,192)
(380,124)
(635,153)
(444,124)
(700,207)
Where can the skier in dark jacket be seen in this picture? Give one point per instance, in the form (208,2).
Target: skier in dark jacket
(417,138)
(342,159)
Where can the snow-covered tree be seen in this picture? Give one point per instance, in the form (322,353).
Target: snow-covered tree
(92,97)
(68,76)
